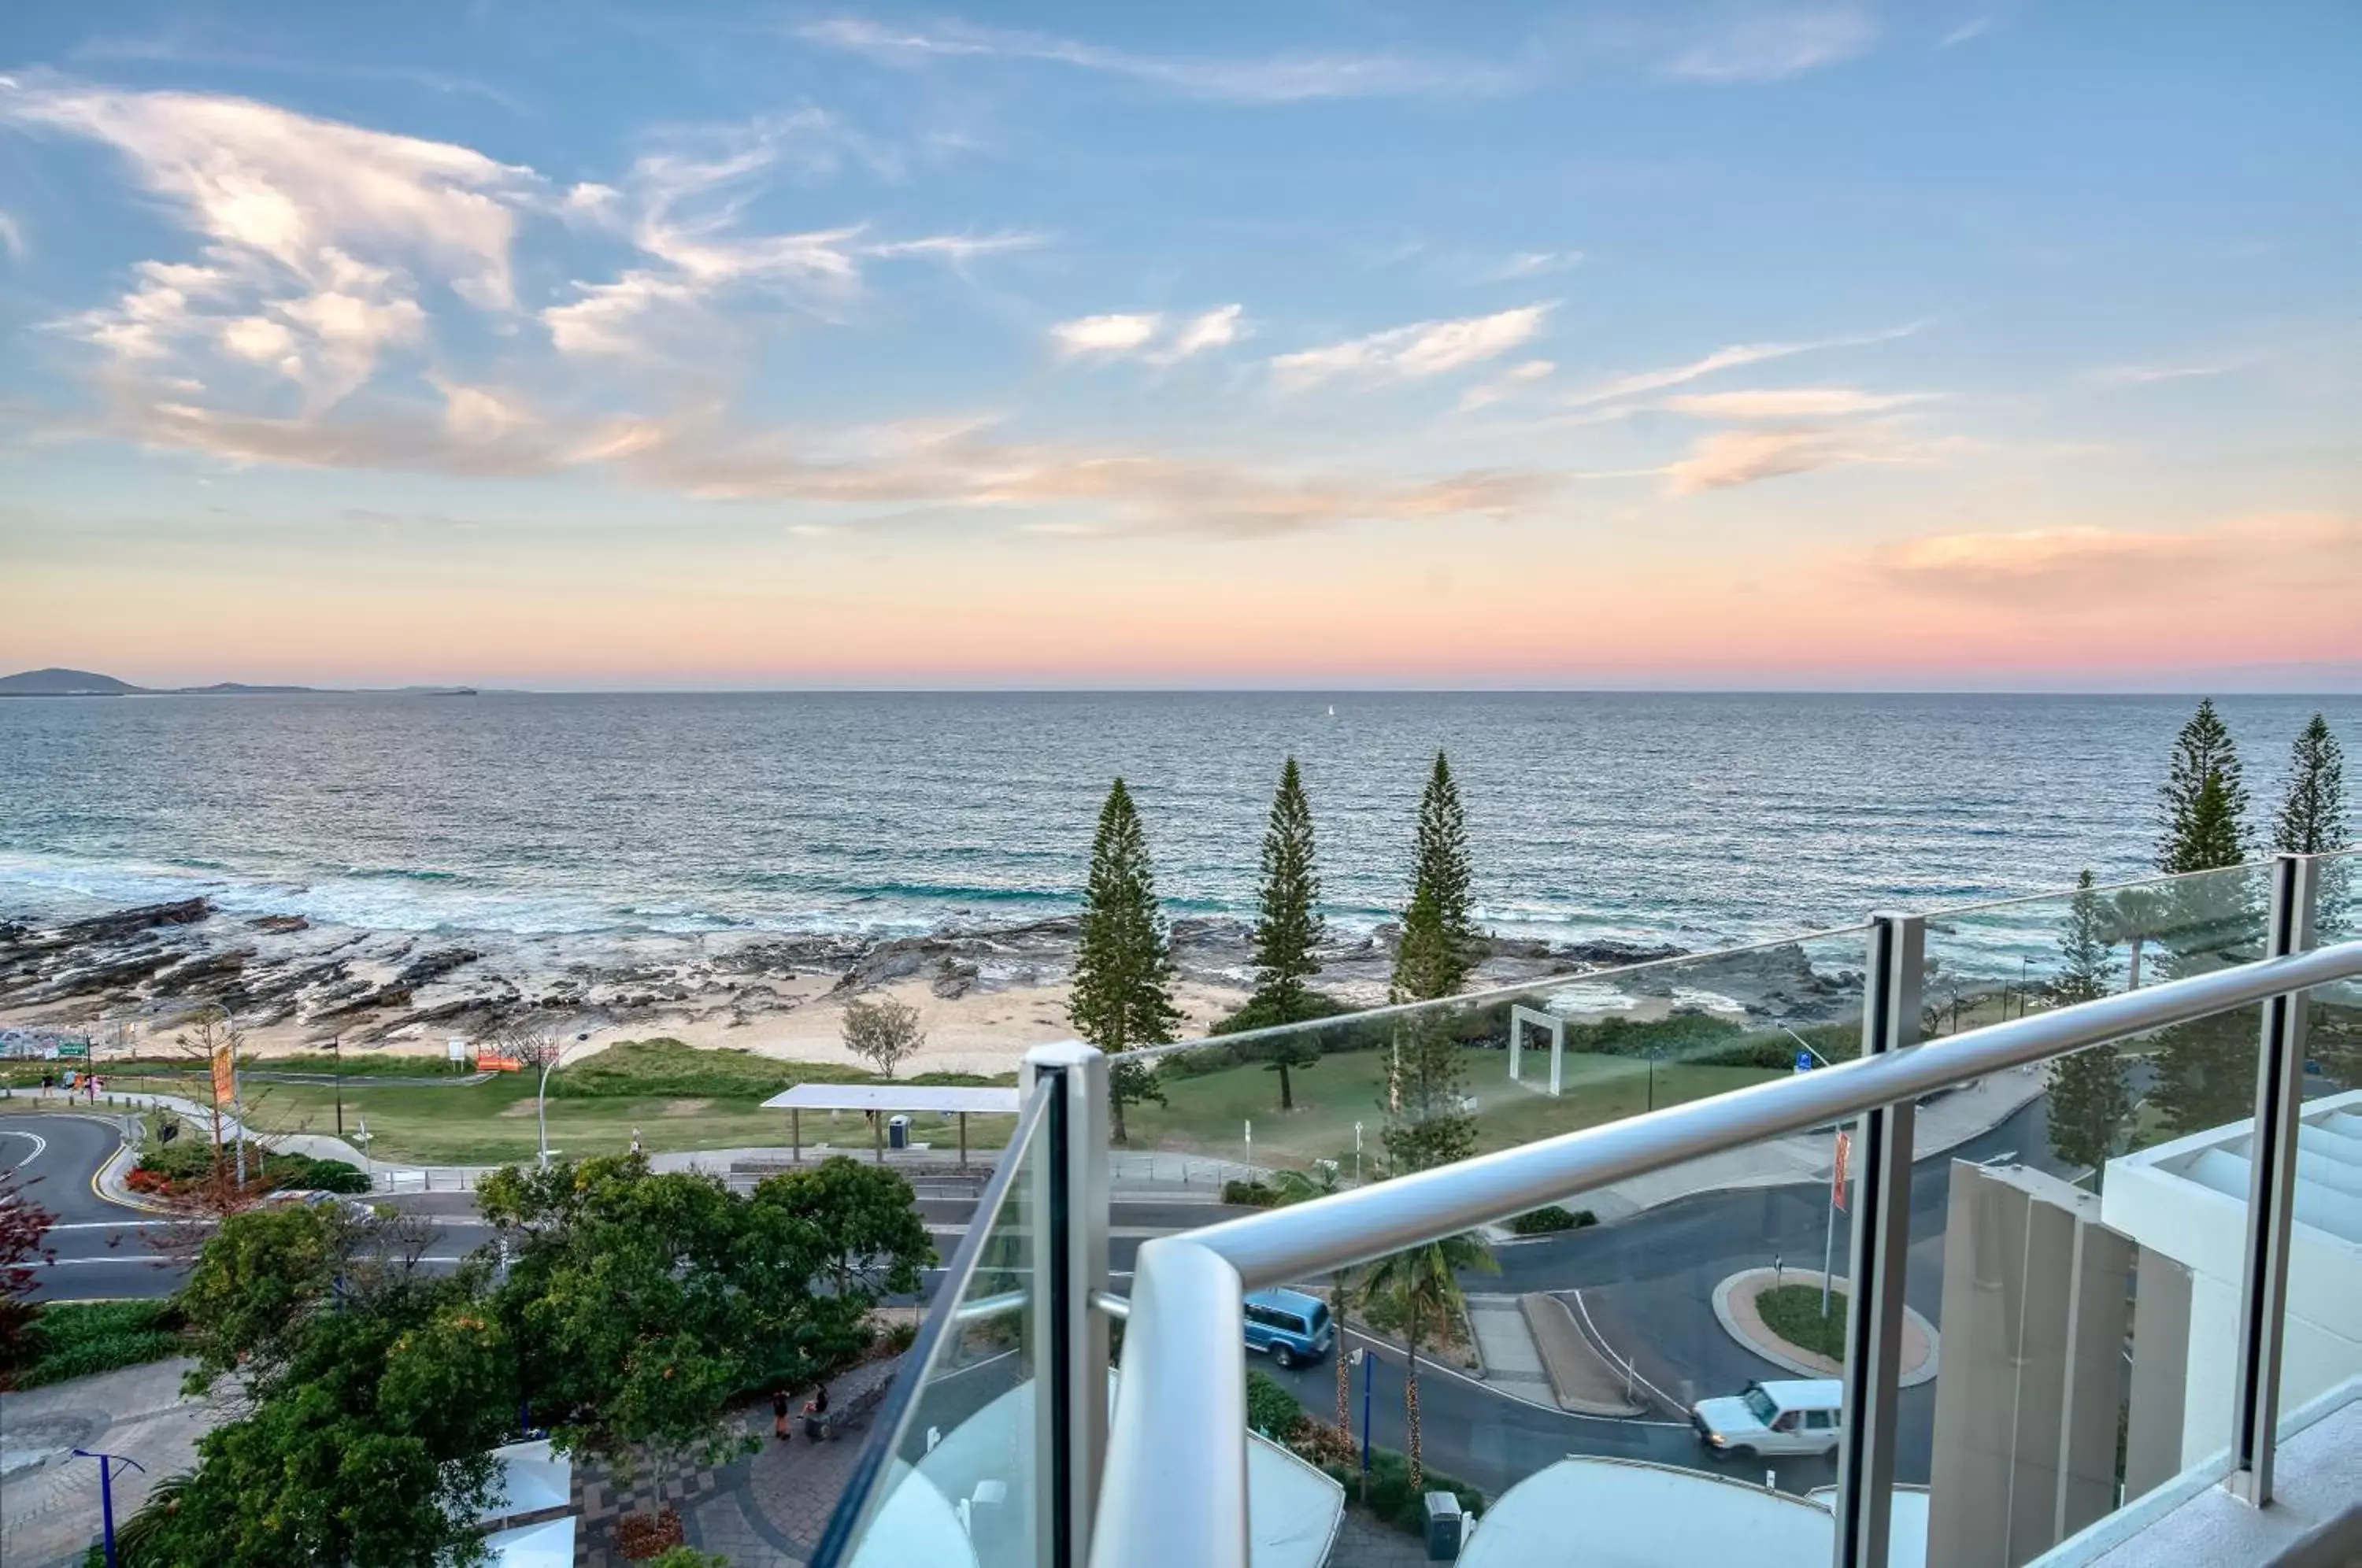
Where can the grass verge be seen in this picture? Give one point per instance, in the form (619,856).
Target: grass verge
(1793,1312)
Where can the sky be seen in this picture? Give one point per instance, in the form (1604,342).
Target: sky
(1619,343)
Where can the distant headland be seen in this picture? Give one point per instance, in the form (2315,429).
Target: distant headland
(87,684)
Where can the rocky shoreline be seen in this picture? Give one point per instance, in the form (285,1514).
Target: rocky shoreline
(143,971)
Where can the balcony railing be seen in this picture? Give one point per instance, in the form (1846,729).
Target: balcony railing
(2016,1357)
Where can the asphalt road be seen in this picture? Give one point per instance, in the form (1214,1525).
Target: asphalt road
(1648,1284)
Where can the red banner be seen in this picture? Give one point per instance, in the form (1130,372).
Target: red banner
(1837,1173)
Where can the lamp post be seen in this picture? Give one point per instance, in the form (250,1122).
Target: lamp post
(107,1463)
(337,1049)
(1654,1052)
(541,1100)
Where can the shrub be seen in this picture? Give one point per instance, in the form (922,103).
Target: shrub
(1271,1409)
(899,1337)
(1551,1218)
(78,1338)
(1250,1194)
(673,1070)
(188,1158)
(1390,1496)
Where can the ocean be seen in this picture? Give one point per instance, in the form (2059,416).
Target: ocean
(1695,818)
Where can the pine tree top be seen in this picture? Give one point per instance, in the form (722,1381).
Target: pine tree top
(2312,813)
(2203,805)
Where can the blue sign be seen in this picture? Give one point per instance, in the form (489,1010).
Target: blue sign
(1803,1061)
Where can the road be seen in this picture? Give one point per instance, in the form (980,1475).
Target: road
(1648,1283)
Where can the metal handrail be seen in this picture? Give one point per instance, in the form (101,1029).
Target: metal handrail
(1349,1228)
(1186,1353)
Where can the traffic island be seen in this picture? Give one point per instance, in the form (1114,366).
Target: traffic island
(1741,1307)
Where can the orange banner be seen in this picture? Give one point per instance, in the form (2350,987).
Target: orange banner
(1837,1173)
(225,1076)
(487,1063)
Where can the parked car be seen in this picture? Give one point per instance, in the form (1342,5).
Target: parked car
(312,1198)
(1289,1326)
(1793,1416)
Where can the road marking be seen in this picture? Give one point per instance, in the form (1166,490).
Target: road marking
(40,1143)
(1630,1371)
(1498,1393)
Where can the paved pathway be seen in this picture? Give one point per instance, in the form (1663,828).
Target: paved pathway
(49,1499)
(1504,1342)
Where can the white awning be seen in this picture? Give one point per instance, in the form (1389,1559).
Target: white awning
(895,1097)
(548,1545)
(531,1478)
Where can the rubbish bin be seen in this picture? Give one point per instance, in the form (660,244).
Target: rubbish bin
(898,1133)
(1443,1523)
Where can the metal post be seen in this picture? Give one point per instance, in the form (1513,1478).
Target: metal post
(1882,1237)
(107,1463)
(1067,1215)
(2271,1193)
(795,1135)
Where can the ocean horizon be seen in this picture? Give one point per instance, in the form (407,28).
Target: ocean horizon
(1695,818)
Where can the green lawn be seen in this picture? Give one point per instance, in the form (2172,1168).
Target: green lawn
(491,1122)
(1793,1312)
(1207,1115)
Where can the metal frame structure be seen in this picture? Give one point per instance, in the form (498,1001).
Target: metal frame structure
(1163,1480)
(1520,1017)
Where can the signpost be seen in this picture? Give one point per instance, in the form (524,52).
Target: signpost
(1837,1169)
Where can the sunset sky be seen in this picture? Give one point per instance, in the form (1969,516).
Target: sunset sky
(1611,343)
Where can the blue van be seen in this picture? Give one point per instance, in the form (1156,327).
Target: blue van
(1289,1326)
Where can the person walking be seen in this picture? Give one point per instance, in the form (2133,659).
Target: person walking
(779,1414)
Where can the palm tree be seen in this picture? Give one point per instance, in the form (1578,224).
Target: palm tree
(2133,921)
(1303,1186)
(1424,1284)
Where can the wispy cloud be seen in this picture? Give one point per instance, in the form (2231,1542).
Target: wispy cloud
(1413,352)
(1975,28)
(1508,384)
(2144,375)
(2089,565)
(1735,457)
(12,236)
(1790,403)
(1533,264)
(1277,79)
(1111,335)
(1728,359)
(1767,45)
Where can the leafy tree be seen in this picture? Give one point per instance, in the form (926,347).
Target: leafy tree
(643,1302)
(2089,1097)
(883,1034)
(256,1283)
(1426,1078)
(2135,917)
(1422,1286)
(2204,802)
(1123,996)
(368,1445)
(24,1227)
(1288,929)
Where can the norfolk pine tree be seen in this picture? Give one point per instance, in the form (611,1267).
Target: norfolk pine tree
(1123,964)
(1425,1079)
(2089,1096)
(2312,821)
(2206,1068)
(1288,929)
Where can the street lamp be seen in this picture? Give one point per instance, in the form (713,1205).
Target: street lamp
(541,1099)
(1654,1052)
(107,1463)
(336,1048)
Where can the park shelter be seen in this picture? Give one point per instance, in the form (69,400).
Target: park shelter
(878,1100)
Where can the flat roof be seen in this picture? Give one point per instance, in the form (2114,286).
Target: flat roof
(894,1097)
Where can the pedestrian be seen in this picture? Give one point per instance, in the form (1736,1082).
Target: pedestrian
(779,1414)
(816,1413)
(48,1082)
